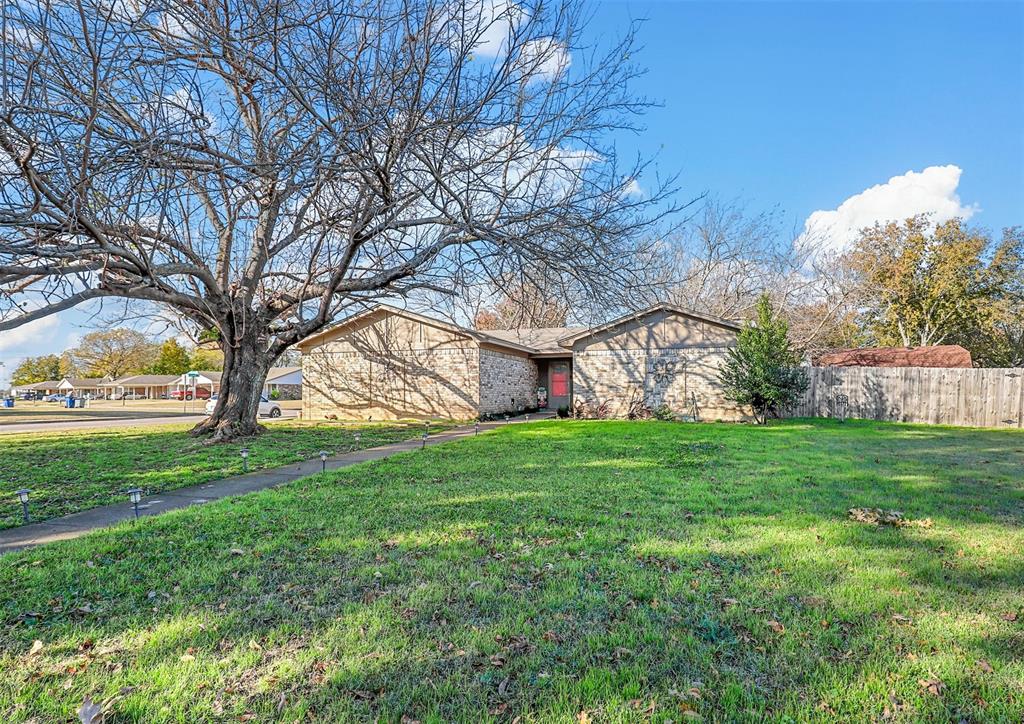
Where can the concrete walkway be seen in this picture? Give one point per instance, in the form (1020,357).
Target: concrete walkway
(78,524)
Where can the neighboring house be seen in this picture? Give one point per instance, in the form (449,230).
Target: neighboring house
(285,381)
(83,386)
(390,363)
(948,355)
(148,386)
(48,387)
(207,379)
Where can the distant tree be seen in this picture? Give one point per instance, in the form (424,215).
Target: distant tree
(206,359)
(526,304)
(172,360)
(113,353)
(999,340)
(928,284)
(762,370)
(724,258)
(40,369)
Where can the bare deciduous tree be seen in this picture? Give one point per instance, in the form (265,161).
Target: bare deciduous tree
(262,167)
(725,258)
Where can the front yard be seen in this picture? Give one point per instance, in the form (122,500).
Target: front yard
(76,470)
(559,571)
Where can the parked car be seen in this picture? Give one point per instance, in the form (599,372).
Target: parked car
(267,408)
(55,397)
(131,396)
(201,393)
(30,396)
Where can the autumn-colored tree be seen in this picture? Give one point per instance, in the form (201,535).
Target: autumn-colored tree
(526,304)
(206,359)
(999,342)
(114,353)
(40,369)
(926,284)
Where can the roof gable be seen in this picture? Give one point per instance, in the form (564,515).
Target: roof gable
(353,322)
(571,339)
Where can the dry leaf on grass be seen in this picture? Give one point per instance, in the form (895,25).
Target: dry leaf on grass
(776,627)
(985,666)
(37,646)
(933,686)
(877,516)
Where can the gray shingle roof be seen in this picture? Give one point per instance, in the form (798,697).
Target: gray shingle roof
(542,339)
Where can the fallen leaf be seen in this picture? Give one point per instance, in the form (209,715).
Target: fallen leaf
(985,666)
(187,657)
(933,686)
(726,602)
(37,646)
(776,627)
(1010,616)
(237,552)
(900,618)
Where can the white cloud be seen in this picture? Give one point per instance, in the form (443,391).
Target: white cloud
(494,20)
(931,191)
(544,57)
(28,335)
(633,188)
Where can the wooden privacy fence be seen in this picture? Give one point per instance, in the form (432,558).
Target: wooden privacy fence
(991,397)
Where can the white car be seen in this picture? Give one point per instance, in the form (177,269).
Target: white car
(267,408)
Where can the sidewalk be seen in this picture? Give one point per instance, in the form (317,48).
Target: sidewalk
(78,524)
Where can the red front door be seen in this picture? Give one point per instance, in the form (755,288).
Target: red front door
(559,395)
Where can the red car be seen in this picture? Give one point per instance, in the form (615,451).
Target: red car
(201,393)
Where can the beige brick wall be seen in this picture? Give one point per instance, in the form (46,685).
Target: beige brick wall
(659,376)
(424,383)
(392,368)
(504,377)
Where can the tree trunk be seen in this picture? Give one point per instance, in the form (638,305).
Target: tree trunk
(245,371)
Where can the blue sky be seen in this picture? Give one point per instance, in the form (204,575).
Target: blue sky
(806,106)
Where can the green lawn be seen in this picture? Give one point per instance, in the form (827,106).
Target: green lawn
(72,471)
(559,571)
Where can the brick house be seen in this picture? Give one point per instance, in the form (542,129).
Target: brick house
(389,363)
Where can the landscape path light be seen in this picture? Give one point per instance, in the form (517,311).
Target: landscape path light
(135,495)
(323,461)
(476,427)
(23,497)
(357,437)
(425,434)
(244,452)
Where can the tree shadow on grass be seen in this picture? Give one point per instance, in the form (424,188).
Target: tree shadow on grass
(445,583)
